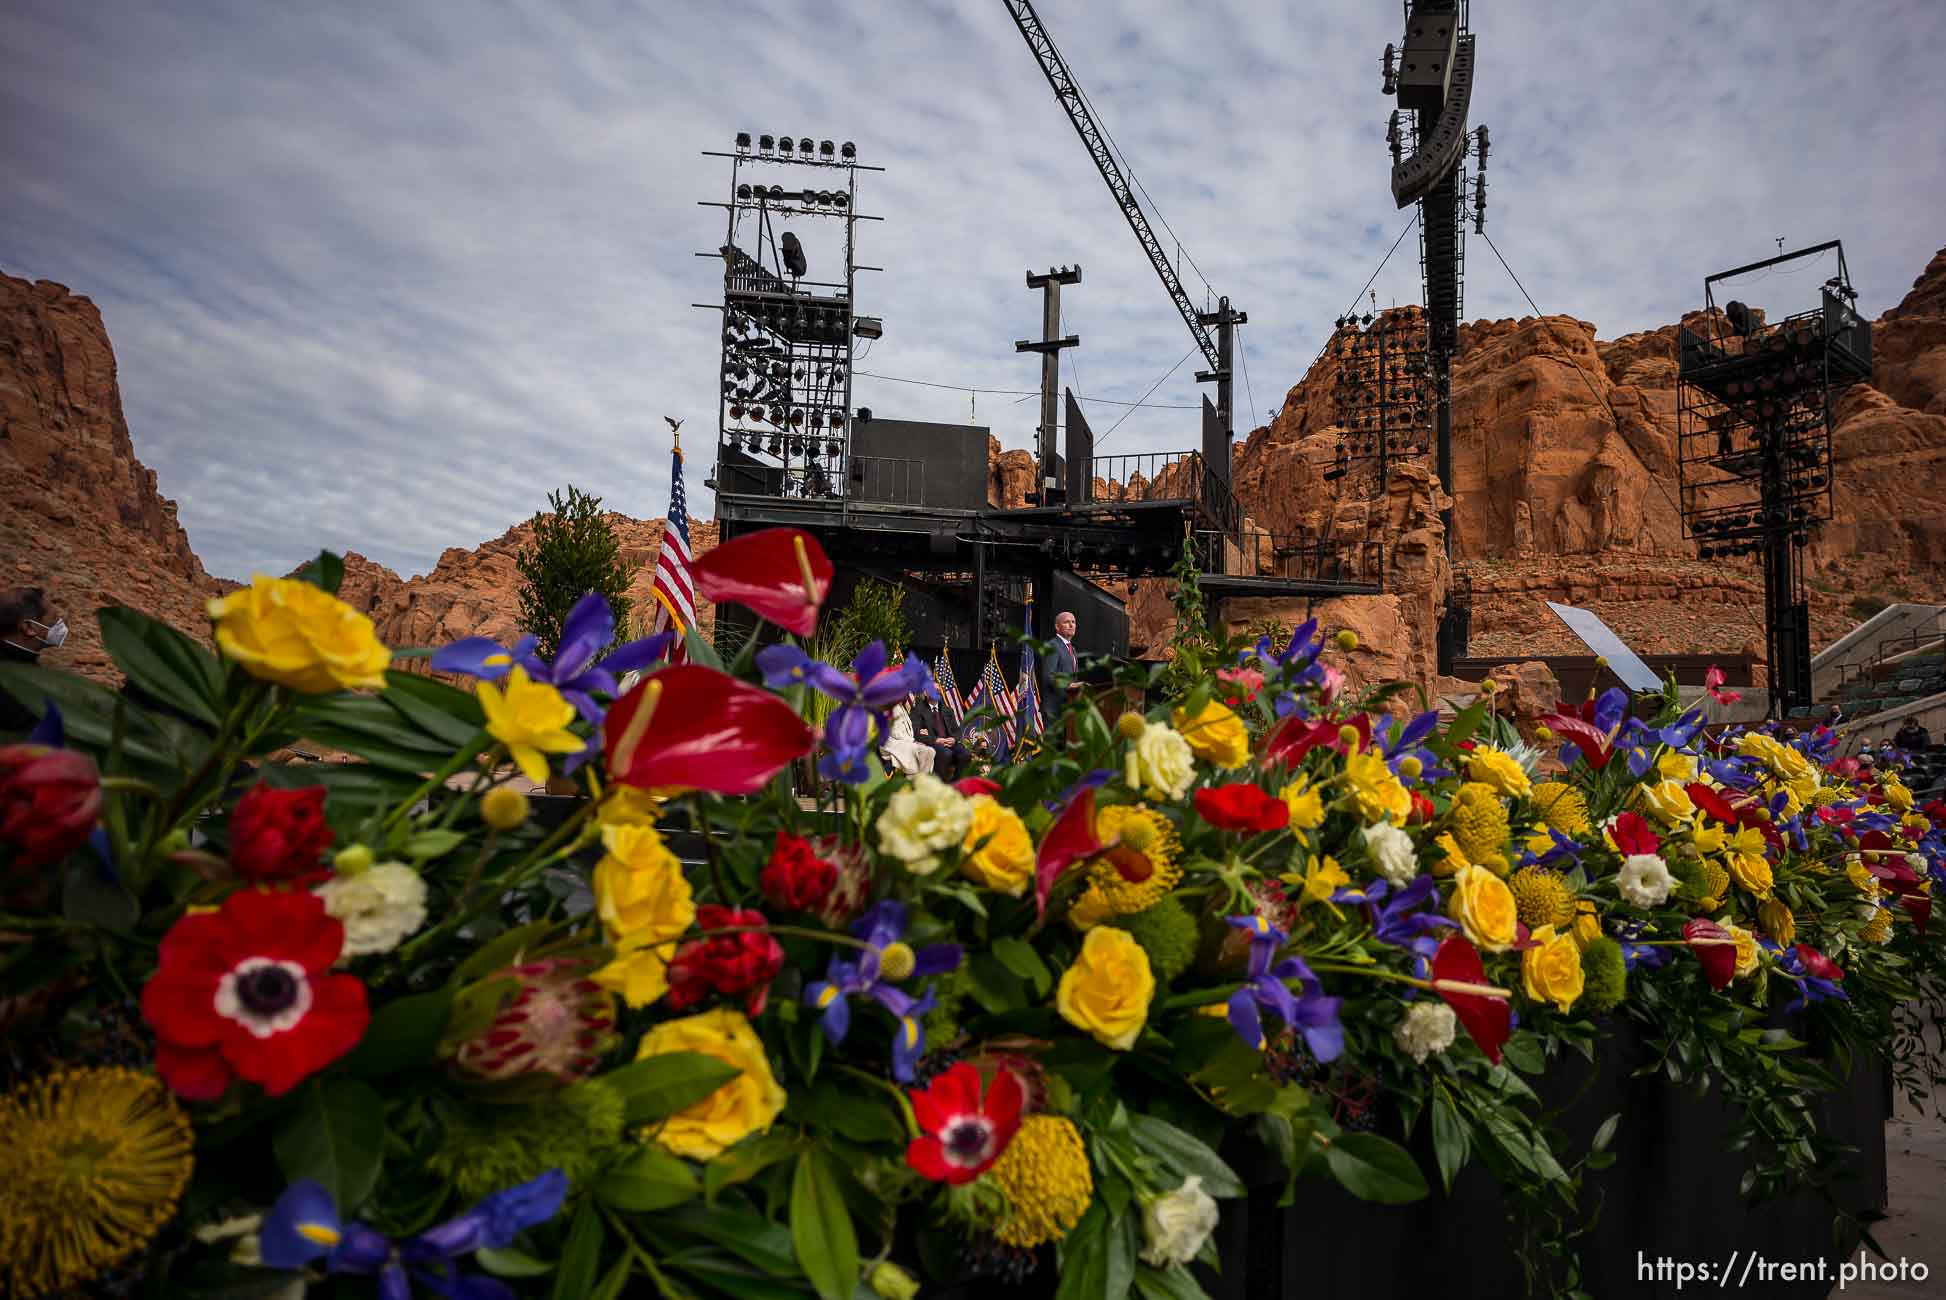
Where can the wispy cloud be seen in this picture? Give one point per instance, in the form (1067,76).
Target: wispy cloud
(379,276)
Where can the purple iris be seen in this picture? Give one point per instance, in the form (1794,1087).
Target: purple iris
(1810,988)
(1563,849)
(864,699)
(843,980)
(1313,1015)
(1401,923)
(1296,665)
(579,670)
(304,1226)
(1401,741)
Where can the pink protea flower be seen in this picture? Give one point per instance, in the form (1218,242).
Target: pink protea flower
(558,1023)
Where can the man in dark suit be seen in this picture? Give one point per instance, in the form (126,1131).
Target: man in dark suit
(950,759)
(1056,666)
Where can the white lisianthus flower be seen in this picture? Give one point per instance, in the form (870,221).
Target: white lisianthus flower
(1645,880)
(1177,1224)
(1427,1030)
(922,821)
(379,906)
(1392,853)
(1165,762)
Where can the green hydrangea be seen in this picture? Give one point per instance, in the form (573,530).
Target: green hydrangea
(1167,933)
(942,1022)
(1604,975)
(485,1148)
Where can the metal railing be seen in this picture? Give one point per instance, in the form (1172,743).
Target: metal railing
(1305,557)
(1165,477)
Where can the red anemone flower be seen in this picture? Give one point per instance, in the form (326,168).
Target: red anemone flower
(244,991)
(1713,947)
(781,573)
(964,1134)
(692,728)
(1242,807)
(1070,839)
(1489,1020)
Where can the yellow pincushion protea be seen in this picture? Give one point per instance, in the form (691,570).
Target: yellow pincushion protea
(92,1164)
(1561,806)
(1139,838)
(1479,824)
(1045,1176)
(1543,897)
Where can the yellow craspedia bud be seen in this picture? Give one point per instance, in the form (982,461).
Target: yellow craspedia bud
(1138,833)
(505,808)
(1348,735)
(1489,686)
(1130,726)
(1543,733)
(351,860)
(1601,661)
(1410,766)
(896,960)
(1347,640)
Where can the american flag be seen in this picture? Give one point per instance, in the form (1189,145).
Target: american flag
(674,591)
(1027,683)
(1002,700)
(942,675)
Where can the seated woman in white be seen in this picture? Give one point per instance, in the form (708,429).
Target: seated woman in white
(900,750)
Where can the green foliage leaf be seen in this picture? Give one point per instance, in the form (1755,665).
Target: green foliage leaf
(403,1034)
(424,846)
(335,1135)
(657,1088)
(745,1161)
(1449,1142)
(1184,1155)
(1097,1259)
(1606,1133)
(821,1228)
(503,950)
(158,749)
(452,715)
(509,1262)
(651,1179)
(327,572)
(1375,1168)
(750,1237)
(581,1257)
(1168,1284)
(1523,1053)
(87,896)
(163,663)
(1020,958)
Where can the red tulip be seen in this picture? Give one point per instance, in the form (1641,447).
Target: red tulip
(49,802)
(692,728)
(781,573)
(1713,947)
(1456,974)
(1069,840)
(1242,807)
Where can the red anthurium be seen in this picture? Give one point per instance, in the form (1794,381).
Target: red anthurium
(1875,840)
(1069,840)
(1596,745)
(1632,835)
(782,573)
(1711,801)
(1296,737)
(964,1133)
(692,728)
(972,785)
(1834,815)
(1846,767)
(1816,964)
(1898,878)
(246,991)
(1242,807)
(1456,973)
(1713,947)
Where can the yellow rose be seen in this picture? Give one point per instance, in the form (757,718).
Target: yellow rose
(641,894)
(1587,924)
(1375,793)
(531,719)
(1216,734)
(300,636)
(1107,990)
(1162,763)
(1485,908)
(746,1104)
(1752,871)
(1746,948)
(1499,770)
(1896,792)
(1552,971)
(1669,802)
(997,851)
(628,806)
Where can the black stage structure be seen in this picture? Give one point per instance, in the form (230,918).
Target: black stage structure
(912,503)
(1754,418)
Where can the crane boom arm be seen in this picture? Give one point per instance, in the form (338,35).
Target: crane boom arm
(1065,89)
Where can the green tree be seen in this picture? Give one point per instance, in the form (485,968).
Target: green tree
(575,551)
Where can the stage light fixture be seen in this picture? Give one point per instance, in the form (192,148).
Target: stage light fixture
(766,143)
(805,145)
(785,144)
(868,327)
(826,148)
(743,191)
(848,151)
(840,200)
(743,139)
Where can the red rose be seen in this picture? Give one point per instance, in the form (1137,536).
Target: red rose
(49,800)
(796,879)
(729,964)
(1242,807)
(244,991)
(1422,810)
(279,834)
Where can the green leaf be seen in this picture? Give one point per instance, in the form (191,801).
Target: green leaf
(582,1254)
(402,1035)
(1524,1054)
(164,663)
(992,984)
(336,1136)
(657,1088)
(509,1262)
(1168,1284)
(700,651)
(821,1228)
(437,709)
(651,1179)
(1376,1169)
(745,1161)
(1185,1155)
(1020,958)
(1448,1138)
(725,1275)
(424,846)
(503,950)
(750,1237)
(1606,1133)
(326,572)
(859,1118)
(87,897)
(1097,1261)
(614,1280)
(150,748)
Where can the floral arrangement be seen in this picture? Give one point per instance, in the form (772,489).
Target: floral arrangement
(380,1027)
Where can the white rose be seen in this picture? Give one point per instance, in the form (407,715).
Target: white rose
(1428,1029)
(379,906)
(1391,850)
(1178,1223)
(1645,880)
(921,821)
(1917,861)
(1166,762)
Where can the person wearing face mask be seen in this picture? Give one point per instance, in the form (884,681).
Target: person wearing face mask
(27,627)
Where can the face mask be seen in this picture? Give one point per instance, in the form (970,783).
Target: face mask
(54,634)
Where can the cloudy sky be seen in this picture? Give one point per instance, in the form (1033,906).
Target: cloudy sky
(379,275)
